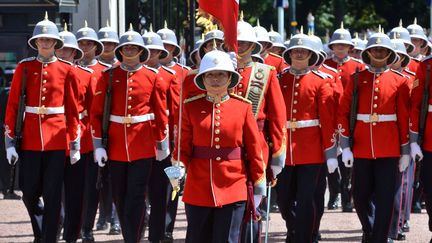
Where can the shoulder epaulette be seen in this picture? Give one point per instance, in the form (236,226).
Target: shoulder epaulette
(240,98)
(274,54)
(192,72)
(357,60)
(183,66)
(104,64)
(397,72)
(64,61)
(330,68)
(28,59)
(169,70)
(151,69)
(110,68)
(85,69)
(410,72)
(196,97)
(327,75)
(319,74)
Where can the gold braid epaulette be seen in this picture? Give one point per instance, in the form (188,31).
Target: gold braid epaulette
(196,97)
(240,98)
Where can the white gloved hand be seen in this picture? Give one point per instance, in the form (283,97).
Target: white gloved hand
(257,200)
(100,156)
(404,162)
(74,156)
(416,151)
(276,169)
(332,165)
(11,155)
(347,157)
(233,57)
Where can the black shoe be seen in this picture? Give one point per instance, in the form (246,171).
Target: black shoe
(11,196)
(390,240)
(401,236)
(406,227)
(71,241)
(319,237)
(168,238)
(37,240)
(101,226)
(316,238)
(347,207)
(274,208)
(87,237)
(366,237)
(333,202)
(416,208)
(115,229)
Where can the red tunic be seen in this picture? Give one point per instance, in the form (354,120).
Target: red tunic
(49,85)
(345,69)
(217,181)
(134,93)
(275,61)
(309,96)
(386,93)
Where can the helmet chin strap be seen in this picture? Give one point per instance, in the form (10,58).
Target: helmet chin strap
(130,58)
(38,46)
(372,58)
(242,54)
(92,49)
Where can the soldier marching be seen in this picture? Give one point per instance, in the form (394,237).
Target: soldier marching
(267,123)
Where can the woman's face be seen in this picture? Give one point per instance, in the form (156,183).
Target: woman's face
(216,81)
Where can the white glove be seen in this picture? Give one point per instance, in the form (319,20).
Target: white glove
(404,161)
(416,151)
(332,165)
(276,169)
(11,155)
(347,157)
(74,156)
(100,156)
(257,200)
(233,58)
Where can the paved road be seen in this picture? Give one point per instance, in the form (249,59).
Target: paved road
(336,226)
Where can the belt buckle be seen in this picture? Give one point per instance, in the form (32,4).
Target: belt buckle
(42,110)
(127,120)
(293,125)
(373,118)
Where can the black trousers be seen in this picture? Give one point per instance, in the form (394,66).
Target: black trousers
(340,182)
(375,180)
(158,190)
(171,210)
(74,196)
(41,174)
(319,198)
(296,190)
(214,225)
(426,181)
(91,195)
(129,182)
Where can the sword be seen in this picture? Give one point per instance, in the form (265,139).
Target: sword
(268,212)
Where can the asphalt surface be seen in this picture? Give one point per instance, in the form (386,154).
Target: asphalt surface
(336,226)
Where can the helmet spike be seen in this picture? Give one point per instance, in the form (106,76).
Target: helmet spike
(46,15)
(379,28)
(215,27)
(85,24)
(241,16)
(301,29)
(65,28)
(165,24)
(400,23)
(258,23)
(415,20)
(202,36)
(365,37)
(342,25)
(107,23)
(291,36)
(271,28)
(310,32)
(356,35)
(130,27)
(151,27)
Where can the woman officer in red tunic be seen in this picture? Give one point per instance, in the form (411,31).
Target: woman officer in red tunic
(217,130)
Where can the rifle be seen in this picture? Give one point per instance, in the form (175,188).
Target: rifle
(353,112)
(422,124)
(102,171)
(10,194)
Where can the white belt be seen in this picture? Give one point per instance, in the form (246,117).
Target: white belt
(44,110)
(302,124)
(132,119)
(83,114)
(430,108)
(376,118)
